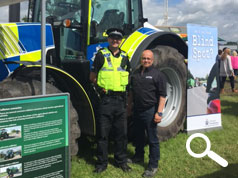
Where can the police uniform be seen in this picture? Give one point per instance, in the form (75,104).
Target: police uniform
(112,76)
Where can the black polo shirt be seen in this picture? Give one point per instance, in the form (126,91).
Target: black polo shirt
(99,61)
(147,87)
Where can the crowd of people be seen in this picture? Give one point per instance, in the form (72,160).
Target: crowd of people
(228,67)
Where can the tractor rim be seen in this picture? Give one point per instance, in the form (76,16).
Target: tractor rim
(174,96)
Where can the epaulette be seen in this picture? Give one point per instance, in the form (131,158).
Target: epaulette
(100,49)
(123,53)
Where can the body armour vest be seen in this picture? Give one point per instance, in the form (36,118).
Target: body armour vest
(112,76)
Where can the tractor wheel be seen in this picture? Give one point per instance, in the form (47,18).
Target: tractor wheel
(19,86)
(171,63)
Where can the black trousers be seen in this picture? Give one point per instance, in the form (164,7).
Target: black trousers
(223,79)
(112,117)
(144,121)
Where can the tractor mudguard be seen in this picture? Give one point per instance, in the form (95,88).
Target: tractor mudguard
(147,38)
(66,83)
(21,42)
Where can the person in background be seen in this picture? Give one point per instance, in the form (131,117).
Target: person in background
(148,93)
(110,72)
(226,70)
(234,62)
(218,57)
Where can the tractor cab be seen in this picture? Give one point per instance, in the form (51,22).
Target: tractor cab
(77,24)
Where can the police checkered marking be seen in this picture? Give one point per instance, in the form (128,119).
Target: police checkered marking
(10,43)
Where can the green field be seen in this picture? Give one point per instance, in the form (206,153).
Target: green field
(3,175)
(175,161)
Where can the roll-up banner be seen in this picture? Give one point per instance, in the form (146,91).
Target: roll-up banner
(203,102)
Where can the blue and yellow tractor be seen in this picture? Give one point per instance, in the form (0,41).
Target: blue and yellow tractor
(75,30)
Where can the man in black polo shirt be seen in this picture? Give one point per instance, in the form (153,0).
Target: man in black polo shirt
(148,94)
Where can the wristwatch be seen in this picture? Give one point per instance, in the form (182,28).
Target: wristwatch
(160,114)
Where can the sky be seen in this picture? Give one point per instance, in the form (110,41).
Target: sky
(216,13)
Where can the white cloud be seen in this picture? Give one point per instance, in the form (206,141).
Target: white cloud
(221,14)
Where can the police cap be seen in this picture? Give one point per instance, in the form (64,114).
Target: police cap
(115,32)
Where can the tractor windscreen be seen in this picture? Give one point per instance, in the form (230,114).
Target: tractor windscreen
(121,14)
(58,10)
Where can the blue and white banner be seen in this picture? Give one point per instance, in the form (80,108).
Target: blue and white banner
(202,48)
(203,103)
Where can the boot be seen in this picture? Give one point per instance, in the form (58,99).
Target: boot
(222,91)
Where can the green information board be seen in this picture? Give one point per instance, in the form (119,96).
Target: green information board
(34,137)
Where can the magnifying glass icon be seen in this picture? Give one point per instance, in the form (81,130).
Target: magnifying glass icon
(207,152)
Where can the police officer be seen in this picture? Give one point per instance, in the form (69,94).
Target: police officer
(110,72)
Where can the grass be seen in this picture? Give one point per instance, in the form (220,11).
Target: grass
(175,162)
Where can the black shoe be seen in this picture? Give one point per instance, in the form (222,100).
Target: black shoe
(150,172)
(135,159)
(99,169)
(124,167)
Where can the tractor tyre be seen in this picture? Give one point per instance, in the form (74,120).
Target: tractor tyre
(171,63)
(19,86)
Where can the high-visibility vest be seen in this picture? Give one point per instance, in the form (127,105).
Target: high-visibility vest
(112,76)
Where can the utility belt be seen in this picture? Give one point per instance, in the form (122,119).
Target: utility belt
(101,92)
(115,93)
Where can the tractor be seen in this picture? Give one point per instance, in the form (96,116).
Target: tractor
(75,31)
(11,171)
(9,154)
(3,134)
